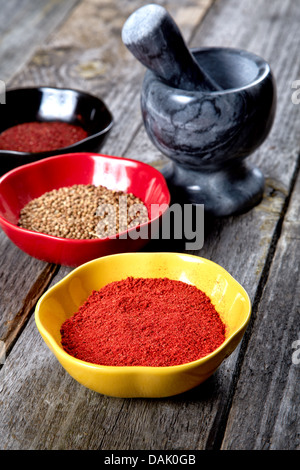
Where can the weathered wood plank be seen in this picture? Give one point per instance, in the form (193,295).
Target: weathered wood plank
(279,162)
(265,408)
(74,64)
(19,272)
(22,280)
(278,158)
(88,57)
(44,408)
(23,26)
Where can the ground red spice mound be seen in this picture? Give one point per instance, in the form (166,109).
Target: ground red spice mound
(149,322)
(36,137)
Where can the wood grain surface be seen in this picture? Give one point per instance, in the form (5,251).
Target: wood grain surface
(252,401)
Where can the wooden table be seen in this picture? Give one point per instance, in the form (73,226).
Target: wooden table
(252,401)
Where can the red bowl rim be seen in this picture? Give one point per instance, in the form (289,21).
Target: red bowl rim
(73,241)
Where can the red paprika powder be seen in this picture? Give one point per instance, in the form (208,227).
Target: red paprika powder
(36,136)
(143,322)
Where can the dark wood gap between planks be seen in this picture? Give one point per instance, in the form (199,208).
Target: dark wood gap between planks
(215,438)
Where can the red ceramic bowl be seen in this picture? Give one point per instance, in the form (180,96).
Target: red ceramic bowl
(19,186)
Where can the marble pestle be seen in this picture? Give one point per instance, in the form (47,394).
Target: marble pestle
(153,37)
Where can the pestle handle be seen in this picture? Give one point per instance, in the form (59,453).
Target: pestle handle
(153,37)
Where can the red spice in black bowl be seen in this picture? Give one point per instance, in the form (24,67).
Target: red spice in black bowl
(37,136)
(49,104)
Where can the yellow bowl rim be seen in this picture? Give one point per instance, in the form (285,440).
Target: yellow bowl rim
(187,365)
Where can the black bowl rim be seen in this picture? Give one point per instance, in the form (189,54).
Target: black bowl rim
(70,147)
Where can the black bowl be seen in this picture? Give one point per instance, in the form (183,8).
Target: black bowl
(53,104)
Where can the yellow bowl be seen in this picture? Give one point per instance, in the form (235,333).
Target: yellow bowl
(63,299)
